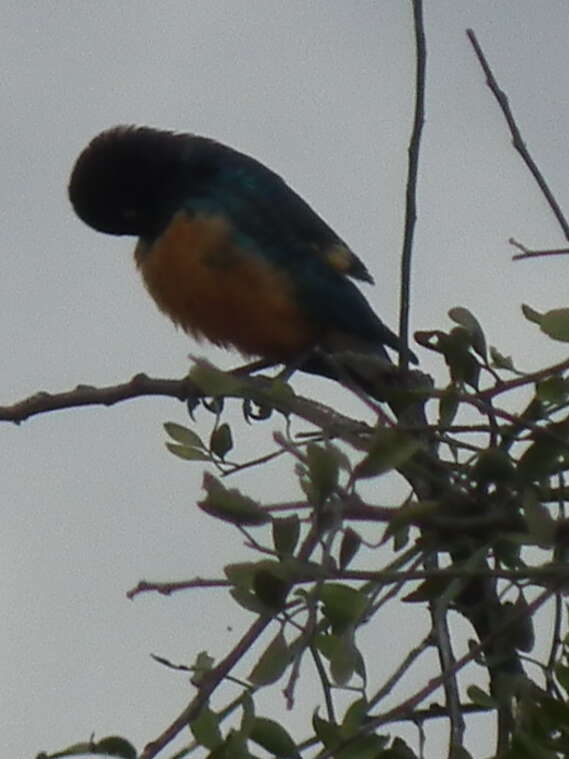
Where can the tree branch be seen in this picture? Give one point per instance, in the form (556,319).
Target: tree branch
(517,139)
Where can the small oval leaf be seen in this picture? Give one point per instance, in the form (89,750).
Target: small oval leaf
(213,381)
(270,588)
(481,698)
(389,448)
(448,406)
(351,542)
(273,662)
(187,453)
(221,440)
(205,729)
(500,361)
(531,314)
(555,324)
(114,745)
(183,435)
(231,505)
(342,606)
(344,659)
(273,738)
(466,319)
(286,531)
(323,470)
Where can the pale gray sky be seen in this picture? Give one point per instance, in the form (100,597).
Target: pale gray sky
(322,92)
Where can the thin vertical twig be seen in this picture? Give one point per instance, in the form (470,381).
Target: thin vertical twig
(411,192)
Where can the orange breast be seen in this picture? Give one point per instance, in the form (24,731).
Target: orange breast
(212,288)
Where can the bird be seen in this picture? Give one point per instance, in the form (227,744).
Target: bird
(228,250)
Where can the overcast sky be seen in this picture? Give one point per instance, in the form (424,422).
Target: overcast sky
(323,93)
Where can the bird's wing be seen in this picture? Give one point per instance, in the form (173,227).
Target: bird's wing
(273,221)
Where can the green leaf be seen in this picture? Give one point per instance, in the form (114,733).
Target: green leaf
(205,729)
(325,643)
(286,531)
(273,738)
(529,746)
(234,747)
(354,717)
(464,367)
(334,649)
(344,658)
(351,542)
(500,361)
(241,573)
(541,524)
(390,448)
(202,665)
(459,752)
(530,314)
(248,600)
(543,456)
(278,392)
(448,406)
(114,745)
(555,711)
(342,606)
(494,465)
(323,470)
(214,382)
(429,590)
(248,708)
(555,324)
(183,435)
(398,750)
(413,513)
(231,505)
(271,587)
(328,732)
(466,319)
(562,675)
(519,624)
(273,662)
(187,453)
(553,390)
(481,698)
(221,440)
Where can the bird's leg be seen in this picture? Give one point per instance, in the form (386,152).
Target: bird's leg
(296,363)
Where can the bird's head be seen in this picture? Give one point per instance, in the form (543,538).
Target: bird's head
(126,181)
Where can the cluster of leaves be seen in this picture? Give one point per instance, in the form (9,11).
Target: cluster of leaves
(485,496)
(501,496)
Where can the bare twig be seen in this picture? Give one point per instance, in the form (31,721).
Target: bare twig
(393,679)
(517,139)
(527,253)
(167,588)
(207,686)
(411,193)
(442,640)
(526,379)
